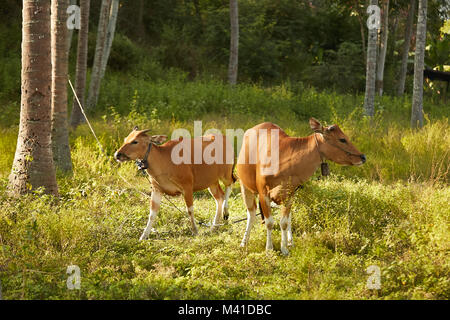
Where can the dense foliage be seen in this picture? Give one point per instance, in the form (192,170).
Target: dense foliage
(392,212)
(296,61)
(317,43)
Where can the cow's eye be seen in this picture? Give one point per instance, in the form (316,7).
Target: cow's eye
(343,140)
(134,142)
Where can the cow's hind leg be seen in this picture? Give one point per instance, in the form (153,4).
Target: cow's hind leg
(217,192)
(249,201)
(264,201)
(290,239)
(285,225)
(225,212)
(154,207)
(189,199)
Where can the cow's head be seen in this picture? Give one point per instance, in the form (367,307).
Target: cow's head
(136,144)
(336,146)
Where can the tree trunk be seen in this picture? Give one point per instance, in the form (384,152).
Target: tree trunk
(393,39)
(383,47)
(234,42)
(406,45)
(421,38)
(140,28)
(60,61)
(369,98)
(70,35)
(362,30)
(94,85)
(33,160)
(109,35)
(81,69)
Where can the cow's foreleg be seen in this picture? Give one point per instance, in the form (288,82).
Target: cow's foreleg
(285,224)
(154,208)
(249,201)
(217,193)
(189,199)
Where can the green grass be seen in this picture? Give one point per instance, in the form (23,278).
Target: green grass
(392,212)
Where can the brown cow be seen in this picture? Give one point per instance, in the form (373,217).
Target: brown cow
(183,178)
(298,159)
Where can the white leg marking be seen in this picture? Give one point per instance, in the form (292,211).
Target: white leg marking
(289,233)
(284,223)
(154,203)
(269,226)
(225,202)
(218,216)
(251,216)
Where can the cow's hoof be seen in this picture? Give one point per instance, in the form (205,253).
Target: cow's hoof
(284,251)
(225,214)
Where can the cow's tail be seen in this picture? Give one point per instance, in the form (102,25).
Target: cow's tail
(233,176)
(261,212)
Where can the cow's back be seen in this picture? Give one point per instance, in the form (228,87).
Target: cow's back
(250,155)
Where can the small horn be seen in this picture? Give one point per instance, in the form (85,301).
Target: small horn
(136,128)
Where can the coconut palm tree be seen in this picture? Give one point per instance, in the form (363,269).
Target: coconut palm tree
(421,37)
(81,69)
(371,67)
(94,85)
(60,61)
(33,161)
(408,34)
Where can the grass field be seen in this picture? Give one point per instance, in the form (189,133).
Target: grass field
(393,212)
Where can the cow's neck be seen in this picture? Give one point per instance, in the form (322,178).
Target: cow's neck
(305,159)
(156,165)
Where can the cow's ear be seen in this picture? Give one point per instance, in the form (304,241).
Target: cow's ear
(159,138)
(315,125)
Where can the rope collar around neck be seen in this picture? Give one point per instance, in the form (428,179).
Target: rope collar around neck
(323,165)
(143,163)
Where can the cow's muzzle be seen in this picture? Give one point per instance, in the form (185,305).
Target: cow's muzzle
(120,157)
(363,158)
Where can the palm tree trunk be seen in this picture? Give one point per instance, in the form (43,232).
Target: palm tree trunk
(109,35)
(383,48)
(234,42)
(33,161)
(94,85)
(60,61)
(70,35)
(361,28)
(406,45)
(421,38)
(140,28)
(81,69)
(371,67)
